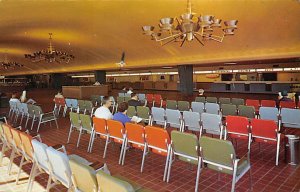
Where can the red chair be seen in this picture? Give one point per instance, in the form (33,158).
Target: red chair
(254,103)
(157,141)
(116,132)
(157,100)
(268,103)
(237,127)
(59,103)
(99,128)
(135,135)
(266,131)
(150,99)
(287,104)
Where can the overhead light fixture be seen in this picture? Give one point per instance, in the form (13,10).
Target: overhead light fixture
(230,63)
(50,54)
(6,64)
(187,28)
(167,67)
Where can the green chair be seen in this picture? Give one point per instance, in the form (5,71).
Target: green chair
(83,177)
(143,112)
(42,117)
(228,109)
(131,111)
(219,155)
(126,99)
(211,100)
(183,105)
(95,100)
(185,146)
(246,111)
(171,104)
(200,99)
(81,106)
(86,125)
(224,100)
(89,107)
(237,101)
(75,123)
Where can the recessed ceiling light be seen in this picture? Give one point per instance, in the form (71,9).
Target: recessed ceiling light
(167,67)
(230,63)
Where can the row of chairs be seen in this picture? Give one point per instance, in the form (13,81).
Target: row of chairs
(20,111)
(68,170)
(157,140)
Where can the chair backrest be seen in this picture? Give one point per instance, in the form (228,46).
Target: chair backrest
(237,125)
(30,110)
(121,94)
(264,128)
(7,132)
(217,151)
(88,106)
(86,121)
(142,96)
(149,98)
(211,100)
(81,104)
(127,95)
(131,111)
(224,100)
(25,107)
(157,98)
(158,138)
(186,144)
(26,143)
(59,166)
(120,99)
(99,125)
(173,117)
(74,119)
(142,112)
(37,110)
(135,133)
(212,108)
(246,111)
(126,99)
(74,103)
(228,109)
(253,102)
(84,176)
(269,113)
(200,99)
(69,102)
(287,104)
(268,103)
(158,115)
(61,101)
(115,128)
(237,101)
(192,120)
(19,107)
(108,183)
(290,117)
(40,154)
(16,138)
(197,107)
(171,104)
(183,105)
(211,123)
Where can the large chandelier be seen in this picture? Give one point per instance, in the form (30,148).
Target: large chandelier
(50,55)
(6,64)
(188,28)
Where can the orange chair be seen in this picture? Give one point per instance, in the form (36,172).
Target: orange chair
(157,141)
(150,99)
(268,103)
(135,135)
(116,132)
(99,128)
(8,140)
(237,127)
(287,104)
(17,150)
(158,101)
(266,131)
(254,103)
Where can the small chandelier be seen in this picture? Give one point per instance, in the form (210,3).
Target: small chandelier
(50,55)
(6,64)
(187,28)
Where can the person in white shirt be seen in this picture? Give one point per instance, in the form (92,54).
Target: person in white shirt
(14,98)
(103,111)
(130,90)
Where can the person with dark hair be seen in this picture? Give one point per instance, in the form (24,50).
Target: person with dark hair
(284,96)
(121,115)
(134,101)
(58,95)
(14,98)
(103,111)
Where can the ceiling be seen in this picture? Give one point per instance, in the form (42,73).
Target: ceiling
(97,32)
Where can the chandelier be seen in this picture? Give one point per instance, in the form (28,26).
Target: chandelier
(50,55)
(6,64)
(189,28)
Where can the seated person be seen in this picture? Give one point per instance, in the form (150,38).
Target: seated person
(121,115)
(130,90)
(134,101)
(124,89)
(58,95)
(284,96)
(14,98)
(201,92)
(103,111)
(24,99)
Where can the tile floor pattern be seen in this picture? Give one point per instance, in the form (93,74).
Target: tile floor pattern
(265,175)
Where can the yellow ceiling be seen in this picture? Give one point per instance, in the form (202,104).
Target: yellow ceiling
(97,32)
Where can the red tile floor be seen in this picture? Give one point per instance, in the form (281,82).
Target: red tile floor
(265,175)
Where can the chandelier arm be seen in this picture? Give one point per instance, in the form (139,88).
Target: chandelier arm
(163,44)
(199,40)
(172,36)
(214,37)
(183,42)
(201,34)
